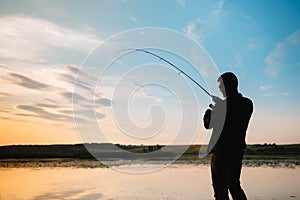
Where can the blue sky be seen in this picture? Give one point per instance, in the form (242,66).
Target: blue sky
(43,43)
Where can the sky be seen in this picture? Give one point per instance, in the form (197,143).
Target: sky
(59,82)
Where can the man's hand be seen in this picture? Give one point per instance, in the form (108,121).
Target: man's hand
(207,119)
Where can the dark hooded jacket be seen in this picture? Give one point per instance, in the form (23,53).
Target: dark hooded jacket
(229,120)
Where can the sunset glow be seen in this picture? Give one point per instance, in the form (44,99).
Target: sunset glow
(45,45)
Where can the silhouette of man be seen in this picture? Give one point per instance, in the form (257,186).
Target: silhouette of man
(229,120)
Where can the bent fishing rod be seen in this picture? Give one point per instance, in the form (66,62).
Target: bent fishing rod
(171,64)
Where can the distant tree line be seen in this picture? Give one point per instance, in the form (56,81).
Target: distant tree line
(79,151)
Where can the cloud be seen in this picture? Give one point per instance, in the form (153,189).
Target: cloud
(133,19)
(28,82)
(192,32)
(30,39)
(217,12)
(45,105)
(49,100)
(285,54)
(155,98)
(198,29)
(72,79)
(103,101)
(59,112)
(74,75)
(73,69)
(52,101)
(266,87)
(55,88)
(72,96)
(57,93)
(88,115)
(41,113)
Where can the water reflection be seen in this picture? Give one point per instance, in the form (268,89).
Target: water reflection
(73,194)
(175,182)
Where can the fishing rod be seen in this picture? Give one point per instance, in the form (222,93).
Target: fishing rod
(165,60)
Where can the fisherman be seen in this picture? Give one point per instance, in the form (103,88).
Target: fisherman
(229,120)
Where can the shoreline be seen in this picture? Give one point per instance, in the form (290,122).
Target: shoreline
(91,163)
(77,156)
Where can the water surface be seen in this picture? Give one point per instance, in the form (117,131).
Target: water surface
(173,182)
